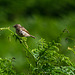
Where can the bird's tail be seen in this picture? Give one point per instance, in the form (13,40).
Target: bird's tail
(32,36)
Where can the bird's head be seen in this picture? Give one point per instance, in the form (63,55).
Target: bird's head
(17,25)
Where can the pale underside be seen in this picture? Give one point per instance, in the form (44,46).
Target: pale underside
(22,33)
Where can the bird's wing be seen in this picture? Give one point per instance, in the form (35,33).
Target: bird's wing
(22,28)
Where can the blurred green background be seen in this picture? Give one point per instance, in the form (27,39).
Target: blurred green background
(43,19)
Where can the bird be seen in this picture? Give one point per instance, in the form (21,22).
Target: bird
(21,31)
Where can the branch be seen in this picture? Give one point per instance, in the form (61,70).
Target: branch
(23,42)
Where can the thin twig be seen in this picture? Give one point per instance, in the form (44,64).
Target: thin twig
(21,40)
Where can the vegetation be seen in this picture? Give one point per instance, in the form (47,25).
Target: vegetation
(47,20)
(6,67)
(46,58)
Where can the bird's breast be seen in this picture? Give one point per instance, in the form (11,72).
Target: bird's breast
(25,34)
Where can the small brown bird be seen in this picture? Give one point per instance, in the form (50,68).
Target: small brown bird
(21,31)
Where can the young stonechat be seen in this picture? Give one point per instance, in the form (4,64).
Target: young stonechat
(21,31)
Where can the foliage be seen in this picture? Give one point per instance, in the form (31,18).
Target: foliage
(28,54)
(72,49)
(6,67)
(43,18)
(49,61)
(46,58)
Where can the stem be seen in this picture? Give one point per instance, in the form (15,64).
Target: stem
(22,42)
